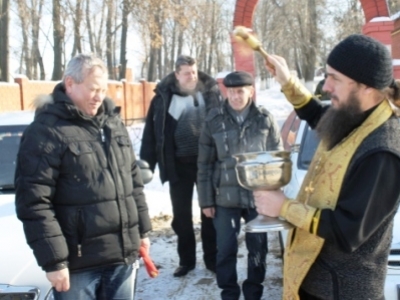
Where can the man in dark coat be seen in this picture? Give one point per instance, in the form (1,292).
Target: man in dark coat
(239,127)
(343,214)
(79,192)
(170,139)
(320,93)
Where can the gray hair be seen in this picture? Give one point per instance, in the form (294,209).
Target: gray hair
(81,65)
(184,60)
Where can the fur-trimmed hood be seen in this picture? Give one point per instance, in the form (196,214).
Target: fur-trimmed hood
(41,101)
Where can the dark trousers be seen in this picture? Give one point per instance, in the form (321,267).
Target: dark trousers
(181,193)
(227,225)
(306,296)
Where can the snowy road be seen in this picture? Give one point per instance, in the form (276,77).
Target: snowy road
(200,284)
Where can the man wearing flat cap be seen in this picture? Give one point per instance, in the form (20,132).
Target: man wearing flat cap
(343,214)
(238,127)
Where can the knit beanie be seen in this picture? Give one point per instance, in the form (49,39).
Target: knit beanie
(364,60)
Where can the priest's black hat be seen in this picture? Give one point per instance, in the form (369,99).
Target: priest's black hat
(364,60)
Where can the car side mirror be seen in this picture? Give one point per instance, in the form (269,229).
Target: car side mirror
(145,172)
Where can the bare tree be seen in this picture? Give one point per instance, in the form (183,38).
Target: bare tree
(4,42)
(36,57)
(89,26)
(350,20)
(23,14)
(126,10)
(77,15)
(303,31)
(109,34)
(394,6)
(95,16)
(58,38)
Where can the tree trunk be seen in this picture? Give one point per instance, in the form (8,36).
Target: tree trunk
(58,37)
(77,19)
(151,72)
(24,17)
(124,34)
(89,27)
(212,39)
(159,60)
(109,29)
(4,41)
(98,41)
(155,45)
(173,48)
(310,53)
(37,60)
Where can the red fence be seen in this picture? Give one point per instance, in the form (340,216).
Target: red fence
(133,97)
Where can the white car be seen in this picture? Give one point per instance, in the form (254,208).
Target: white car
(302,142)
(20,276)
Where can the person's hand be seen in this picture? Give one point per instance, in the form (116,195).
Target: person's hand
(269,203)
(59,279)
(145,243)
(280,70)
(209,212)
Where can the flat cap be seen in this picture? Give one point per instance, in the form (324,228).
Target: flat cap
(238,78)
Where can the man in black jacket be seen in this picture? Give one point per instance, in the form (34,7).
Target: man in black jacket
(319,91)
(79,192)
(170,139)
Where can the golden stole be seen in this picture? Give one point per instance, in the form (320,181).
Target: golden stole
(320,190)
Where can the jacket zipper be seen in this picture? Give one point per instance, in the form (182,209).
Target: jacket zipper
(163,129)
(79,250)
(79,232)
(103,138)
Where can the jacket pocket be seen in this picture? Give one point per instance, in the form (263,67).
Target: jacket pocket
(80,148)
(216,177)
(124,151)
(79,162)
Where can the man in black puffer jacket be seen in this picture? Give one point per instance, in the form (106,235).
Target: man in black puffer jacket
(79,192)
(170,139)
(238,127)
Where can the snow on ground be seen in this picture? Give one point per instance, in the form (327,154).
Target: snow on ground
(200,283)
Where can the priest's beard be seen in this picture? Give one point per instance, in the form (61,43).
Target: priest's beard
(338,122)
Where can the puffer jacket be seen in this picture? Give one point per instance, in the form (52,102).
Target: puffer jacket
(79,192)
(158,145)
(222,137)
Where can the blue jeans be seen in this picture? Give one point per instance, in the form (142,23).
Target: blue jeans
(114,282)
(227,225)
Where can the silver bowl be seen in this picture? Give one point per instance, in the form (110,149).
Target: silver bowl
(268,170)
(266,224)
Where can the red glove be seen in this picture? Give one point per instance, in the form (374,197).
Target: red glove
(150,267)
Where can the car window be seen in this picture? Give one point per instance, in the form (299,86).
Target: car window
(10,137)
(308,146)
(289,130)
(291,139)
